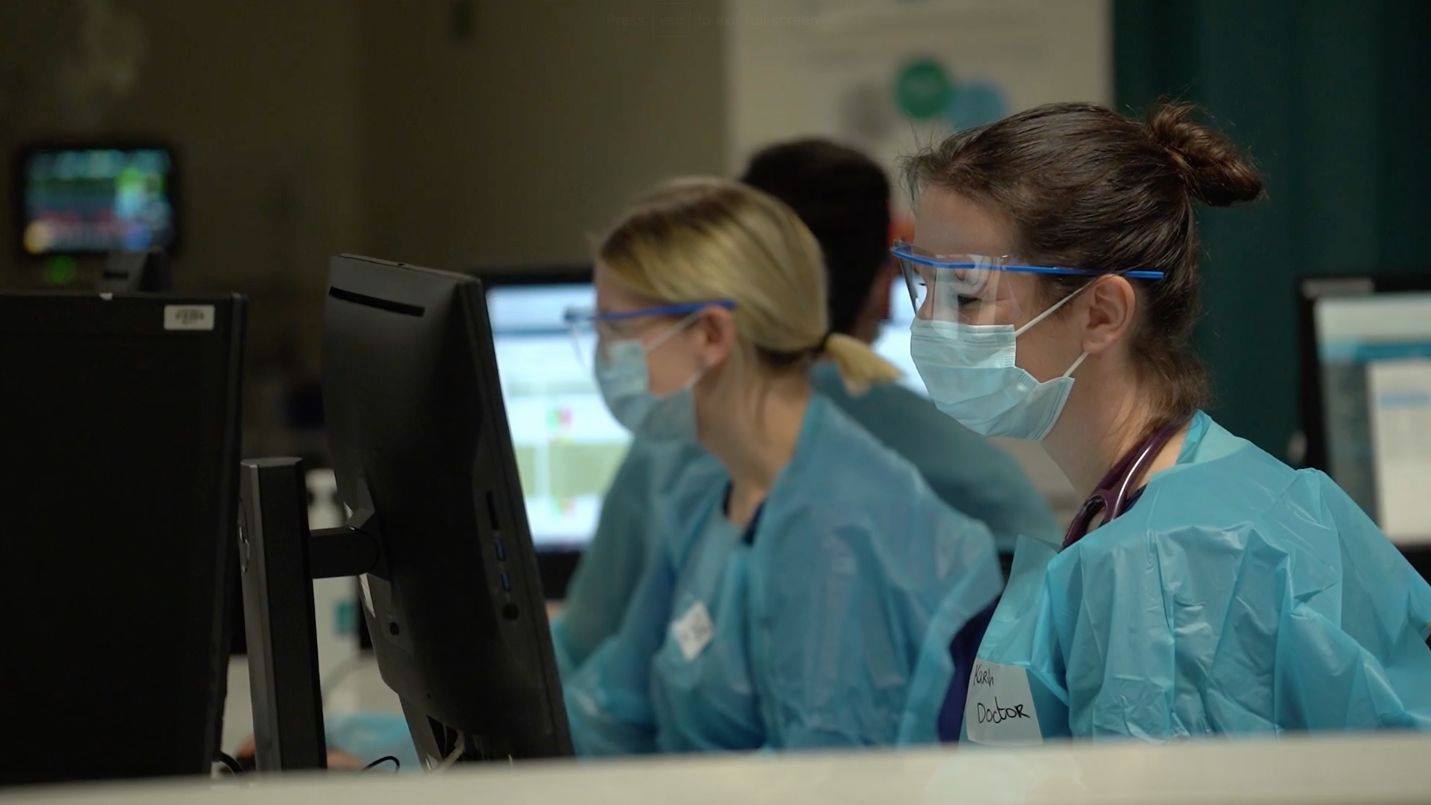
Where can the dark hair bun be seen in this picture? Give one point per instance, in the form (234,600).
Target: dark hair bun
(1216,172)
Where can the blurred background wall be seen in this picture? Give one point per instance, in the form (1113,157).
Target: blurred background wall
(450,133)
(459,133)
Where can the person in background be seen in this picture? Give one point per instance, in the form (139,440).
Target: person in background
(843,197)
(798,595)
(1205,587)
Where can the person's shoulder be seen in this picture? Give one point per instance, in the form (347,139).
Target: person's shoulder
(838,444)
(892,402)
(1216,516)
(907,422)
(667,486)
(857,488)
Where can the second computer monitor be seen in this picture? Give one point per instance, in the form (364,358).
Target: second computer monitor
(424,464)
(567,445)
(1369,397)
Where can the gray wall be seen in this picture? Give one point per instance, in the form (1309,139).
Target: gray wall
(515,143)
(448,132)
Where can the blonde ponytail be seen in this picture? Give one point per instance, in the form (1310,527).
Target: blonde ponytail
(858,365)
(700,239)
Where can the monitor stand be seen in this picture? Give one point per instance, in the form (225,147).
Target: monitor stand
(279,559)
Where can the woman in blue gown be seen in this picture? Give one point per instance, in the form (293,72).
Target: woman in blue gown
(1206,587)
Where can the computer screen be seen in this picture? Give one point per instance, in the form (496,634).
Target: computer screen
(568,446)
(1374,359)
(96,199)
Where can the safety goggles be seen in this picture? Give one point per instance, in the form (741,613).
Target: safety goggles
(593,331)
(979,289)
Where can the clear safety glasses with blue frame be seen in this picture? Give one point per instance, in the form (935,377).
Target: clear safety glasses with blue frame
(979,289)
(593,332)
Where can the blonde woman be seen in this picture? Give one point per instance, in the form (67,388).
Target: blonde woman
(802,588)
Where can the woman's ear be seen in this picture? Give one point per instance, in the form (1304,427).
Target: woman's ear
(715,335)
(1109,308)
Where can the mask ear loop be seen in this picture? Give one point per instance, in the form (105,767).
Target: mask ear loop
(1054,309)
(1076,364)
(671,332)
(678,327)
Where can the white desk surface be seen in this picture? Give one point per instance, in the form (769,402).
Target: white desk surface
(1372,768)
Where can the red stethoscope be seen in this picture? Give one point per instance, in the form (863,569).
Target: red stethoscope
(1111,497)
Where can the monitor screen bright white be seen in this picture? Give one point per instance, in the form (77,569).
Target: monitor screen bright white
(568,447)
(1375,357)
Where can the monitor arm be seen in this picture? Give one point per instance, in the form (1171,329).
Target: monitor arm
(279,559)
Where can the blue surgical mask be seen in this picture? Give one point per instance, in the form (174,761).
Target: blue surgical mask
(624,378)
(971,376)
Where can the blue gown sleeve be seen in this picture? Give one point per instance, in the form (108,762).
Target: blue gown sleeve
(611,565)
(1366,665)
(653,495)
(608,699)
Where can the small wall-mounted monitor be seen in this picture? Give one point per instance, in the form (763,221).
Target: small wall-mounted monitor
(96,199)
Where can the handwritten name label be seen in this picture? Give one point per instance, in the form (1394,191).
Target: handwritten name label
(1000,708)
(997,714)
(983,675)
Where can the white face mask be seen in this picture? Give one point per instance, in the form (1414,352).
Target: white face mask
(624,377)
(971,376)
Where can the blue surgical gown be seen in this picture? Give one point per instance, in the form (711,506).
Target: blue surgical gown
(804,632)
(638,506)
(964,469)
(1236,596)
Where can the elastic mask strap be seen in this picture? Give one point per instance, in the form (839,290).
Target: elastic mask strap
(1075,365)
(671,333)
(1053,309)
(668,335)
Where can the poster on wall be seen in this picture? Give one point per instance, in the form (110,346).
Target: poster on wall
(890,76)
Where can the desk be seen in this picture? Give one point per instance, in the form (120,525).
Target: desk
(1380,768)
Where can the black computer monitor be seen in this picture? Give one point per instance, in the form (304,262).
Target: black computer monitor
(1366,398)
(119,421)
(424,463)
